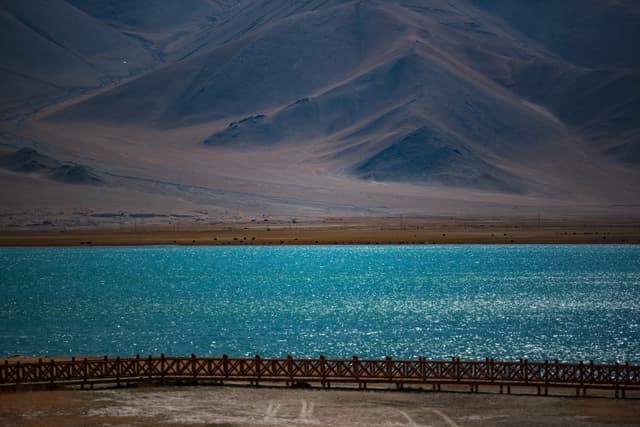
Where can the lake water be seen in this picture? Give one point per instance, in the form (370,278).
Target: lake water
(471,301)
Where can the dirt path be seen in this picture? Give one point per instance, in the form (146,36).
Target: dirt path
(244,406)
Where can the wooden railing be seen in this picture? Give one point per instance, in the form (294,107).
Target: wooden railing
(582,376)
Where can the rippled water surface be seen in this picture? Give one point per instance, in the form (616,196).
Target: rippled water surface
(472,301)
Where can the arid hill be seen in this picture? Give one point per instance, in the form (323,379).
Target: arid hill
(474,108)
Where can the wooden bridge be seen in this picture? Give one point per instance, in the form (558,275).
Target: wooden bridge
(124,371)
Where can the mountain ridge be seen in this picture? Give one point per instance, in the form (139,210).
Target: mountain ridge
(467,96)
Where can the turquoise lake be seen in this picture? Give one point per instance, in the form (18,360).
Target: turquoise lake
(472,301)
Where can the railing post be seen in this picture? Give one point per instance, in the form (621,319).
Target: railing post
(490,370)
(323,368)
(290,367)
(150,367)
(546,377)
(258,371)
(423,368)
(456,368)
(628,371)
(18,372)
(85,369)
(118,370)
(51,372)
(225,365)
(627,379)
(582,376)
(73,369)
(356,368)
(105,367)
(39,377)
(194,367)
(525,370)
(389,368)
(162,366)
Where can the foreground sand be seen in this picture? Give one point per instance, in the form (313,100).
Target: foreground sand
(347,232)
(245,406)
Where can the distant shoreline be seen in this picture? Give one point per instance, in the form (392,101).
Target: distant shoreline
(330,234)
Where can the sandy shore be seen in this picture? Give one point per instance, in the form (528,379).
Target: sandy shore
(353,232)
(246,406)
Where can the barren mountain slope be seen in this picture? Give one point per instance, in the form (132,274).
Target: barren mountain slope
(50,50)
(369,107)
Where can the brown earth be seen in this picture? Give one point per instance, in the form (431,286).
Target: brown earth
(246,406)
(347,232)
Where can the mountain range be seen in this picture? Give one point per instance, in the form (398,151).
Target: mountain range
(248,108)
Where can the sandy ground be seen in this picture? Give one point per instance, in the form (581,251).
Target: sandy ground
(363,232)
(245,406)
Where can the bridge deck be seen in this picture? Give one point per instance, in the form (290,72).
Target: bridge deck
(544,375)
